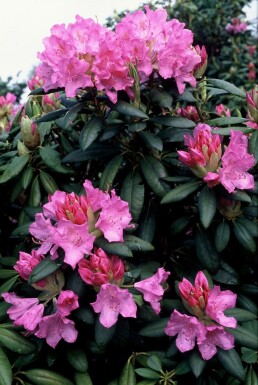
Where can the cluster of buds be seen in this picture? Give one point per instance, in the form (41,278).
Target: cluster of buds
(237,26)
(222,110)
(7,111)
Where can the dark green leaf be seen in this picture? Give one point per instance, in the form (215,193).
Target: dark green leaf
(116,248)
(48,182)
(77,359)
(35,194)
(154,329)
(179,225)
(230,88)
(153,172)
(196,363)
(26,177)
(46,377)
(137,244)
(244,337)
(53,115)
(227,130)
(14,167)
(240,314)
(206,253)
(52,159)
(133,192)
(180,192)
(161,98)
(154,362)
(137,127)
(15,341)
(127,376)
(249,356)
(244,237)
(251,377)
(125,108)
(147,225)
(182,368)
(43,270)
(95,151)
(226,121)
(207,206)
(4,273)
(246,303)
(231,361)
(174,122)
(82,379)
(249,225)
(90,132)
(171,135)
(103,335)
(71,114)
(6,375)
(222,236)
(7,285)
(253,145)
(151,140)
(110,172)
(148,373)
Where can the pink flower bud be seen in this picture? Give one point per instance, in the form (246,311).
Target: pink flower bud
(252,103)
(29,133)
(200,68)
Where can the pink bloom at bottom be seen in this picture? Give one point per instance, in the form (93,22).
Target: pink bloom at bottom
(112,301)
(152,289)
(55,327)
(26,312)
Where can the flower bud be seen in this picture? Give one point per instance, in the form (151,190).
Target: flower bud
(252,103)
(229,208)
(200,68)
(29,133)
(50,102)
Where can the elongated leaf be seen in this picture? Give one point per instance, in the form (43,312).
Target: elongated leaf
(249,356)
(137,244)
(207,206)
(133,192)
(154,362)
(77,359)
(240,314)
(231,361)
(250,226)
(148,373)
(174,122)
(253,145)
(6,374)
(14,168)
(227,130)
(43,270)
(222,236)
(52,159)
(230,88)
(116,248)
(82,379)
(128,109)
(48,182)
(90,132)
(4,274)
(179,225)
(251,377)
(153,172)
(196,363)
(53,115)
(16,342)
(206,253)
(110,172)
(35,194)
(245,337)
(244,237)
(103,335)
(246,303)
(151,141)
(171,135)
(154,329)
(46,377)
(147,225)
(180,192)
(71,115)
(95,151)
(7,285)
(226,121)
(27,176)
(137,127)
(127,376)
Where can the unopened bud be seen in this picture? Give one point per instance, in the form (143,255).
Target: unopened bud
(29,133)
(200,68)
(252,103)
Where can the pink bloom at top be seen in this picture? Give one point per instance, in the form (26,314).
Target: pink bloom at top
(195,297)
(100,268)
(26,263)
(74,239)
(66,302)
(26,312)
(215,336)
(188,328)
(218,302)
(222,110)
(152,288)
(112,301)
(114,218)
(55,327)
(235,163)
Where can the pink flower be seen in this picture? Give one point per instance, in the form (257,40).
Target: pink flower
(204,150)
(100,269)
(235,163)
(188,328)
(215,336)
(66,302)
(212,179)
(252,103)
(114,218)
(189,112)
(35,82)
(55,327)
(43,230)
(200,68)
(112,301)
(222,110)
(218,302)
(236,26)
(152,289)
(94,195)
(26,312)
(26,263)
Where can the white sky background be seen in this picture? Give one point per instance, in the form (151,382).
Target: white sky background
(24,23)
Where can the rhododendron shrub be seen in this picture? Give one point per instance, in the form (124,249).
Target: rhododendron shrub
(128,214)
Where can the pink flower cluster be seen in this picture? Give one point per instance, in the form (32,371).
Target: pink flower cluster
(85,54)
(7,111)
(237,26)
(206,324)
(72,222)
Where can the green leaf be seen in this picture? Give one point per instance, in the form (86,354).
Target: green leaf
(249,356)
(127,377)
(206,253)
(4,274)
(110,172)
(77,359)
(35,194)
(174,122)
(182,368)
(148,373)
(137,127)
(6,374)
(53,115)
(82,379)
(125,108)
(26,177)
(154,362)
(226,121)
(244,237)
(147,225)
(244,337)
(227,130)
(95,151)
(153,172)
(196,363)
(22,230)
(90,132)
(246,303)
(71,114)
(249,225)
(103,335)
(52,159)
(207,206)
(7,285)
(231,361)
(251,377)
(46,377)
(137,244)
(253,145)
(151,140)
(14,167)
(180,192)
(15,341)
(116,248)
(224,85)
(48,182)
(222,236)
(132,191)
(171,135)
(46,267)
(154,329)
(161,98)
(240,314)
